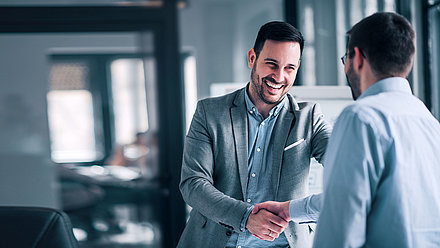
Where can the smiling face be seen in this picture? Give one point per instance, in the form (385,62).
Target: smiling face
(273,72)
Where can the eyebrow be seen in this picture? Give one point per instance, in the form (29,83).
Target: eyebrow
(276,61)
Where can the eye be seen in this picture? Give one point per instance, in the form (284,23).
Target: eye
(290,68)
(272,65)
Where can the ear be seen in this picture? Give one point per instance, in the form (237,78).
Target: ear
(252,57)
(358,60)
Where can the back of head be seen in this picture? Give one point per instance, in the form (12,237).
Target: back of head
(387,41)
(277,31)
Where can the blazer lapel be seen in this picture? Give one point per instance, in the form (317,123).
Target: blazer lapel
(240,133)
(281,132)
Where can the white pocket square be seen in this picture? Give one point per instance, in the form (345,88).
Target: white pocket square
(294,144)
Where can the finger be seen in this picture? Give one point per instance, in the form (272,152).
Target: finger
(271,220)
(256,209)
(276,229)
(267,237)
(278,221)
(274,234)
(269,206)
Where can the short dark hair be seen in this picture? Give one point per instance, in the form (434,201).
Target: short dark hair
(387,41)
(277,31)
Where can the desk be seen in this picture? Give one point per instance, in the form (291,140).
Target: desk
(129,213)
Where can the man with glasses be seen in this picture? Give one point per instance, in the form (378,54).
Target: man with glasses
(382,164)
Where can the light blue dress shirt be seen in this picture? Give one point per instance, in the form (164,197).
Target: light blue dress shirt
(259,188)
(382,173)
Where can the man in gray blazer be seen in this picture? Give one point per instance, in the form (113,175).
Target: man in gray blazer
(251,146)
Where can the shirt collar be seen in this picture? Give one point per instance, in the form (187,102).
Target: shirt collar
(254,111)
(387,85)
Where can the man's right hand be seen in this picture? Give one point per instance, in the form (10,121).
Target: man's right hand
(266,225)
(279,208)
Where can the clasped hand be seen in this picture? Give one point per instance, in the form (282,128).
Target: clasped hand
(268,220)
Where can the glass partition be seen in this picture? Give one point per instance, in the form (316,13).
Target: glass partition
(96,92)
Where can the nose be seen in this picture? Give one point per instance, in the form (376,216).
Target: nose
(278,75)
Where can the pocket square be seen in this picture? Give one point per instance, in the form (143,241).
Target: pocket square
(294,144)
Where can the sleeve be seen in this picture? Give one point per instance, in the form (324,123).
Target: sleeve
(351,174)
(321,133)
(305,210)
(197,183)
(245,218)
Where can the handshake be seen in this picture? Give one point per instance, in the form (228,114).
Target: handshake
(268,219)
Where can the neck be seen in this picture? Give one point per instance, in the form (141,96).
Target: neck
(262,107)
(367,78)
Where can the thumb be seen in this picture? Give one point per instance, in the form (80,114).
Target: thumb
(256,209)
(260,206)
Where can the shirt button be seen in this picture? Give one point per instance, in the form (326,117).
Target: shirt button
(228,233)
(262,123)
(253,174)
(239,246)
(258,149)
(248,200)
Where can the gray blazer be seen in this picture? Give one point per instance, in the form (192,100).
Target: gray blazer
(215,166)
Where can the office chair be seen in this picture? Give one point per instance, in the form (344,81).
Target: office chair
(35,227)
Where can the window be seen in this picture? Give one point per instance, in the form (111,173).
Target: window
(190,82)
(324,25)
(96,102)
(129,99)
(71,114)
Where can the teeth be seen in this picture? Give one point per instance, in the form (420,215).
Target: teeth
(276,86)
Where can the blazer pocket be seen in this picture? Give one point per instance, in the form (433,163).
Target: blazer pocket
(296,143)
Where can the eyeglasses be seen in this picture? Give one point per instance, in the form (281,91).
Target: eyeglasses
(344,58)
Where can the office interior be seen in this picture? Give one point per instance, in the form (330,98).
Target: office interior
(97,95)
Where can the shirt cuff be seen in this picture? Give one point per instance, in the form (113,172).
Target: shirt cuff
(305,210)
(245,218)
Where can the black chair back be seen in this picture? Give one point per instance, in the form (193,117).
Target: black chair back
(35,227)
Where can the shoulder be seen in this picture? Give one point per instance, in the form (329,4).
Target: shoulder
(365,110)
(306,105)
(307,108)
(366,113)
(301,105)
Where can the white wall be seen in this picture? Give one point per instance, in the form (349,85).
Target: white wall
(220,33)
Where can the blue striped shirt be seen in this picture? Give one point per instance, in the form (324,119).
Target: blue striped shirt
(259,188)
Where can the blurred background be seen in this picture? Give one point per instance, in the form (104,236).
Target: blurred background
(96,96)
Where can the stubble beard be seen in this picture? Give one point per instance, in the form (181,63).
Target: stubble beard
(353,81)
(257,85)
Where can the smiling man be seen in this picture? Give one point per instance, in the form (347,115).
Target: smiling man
(251,146)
